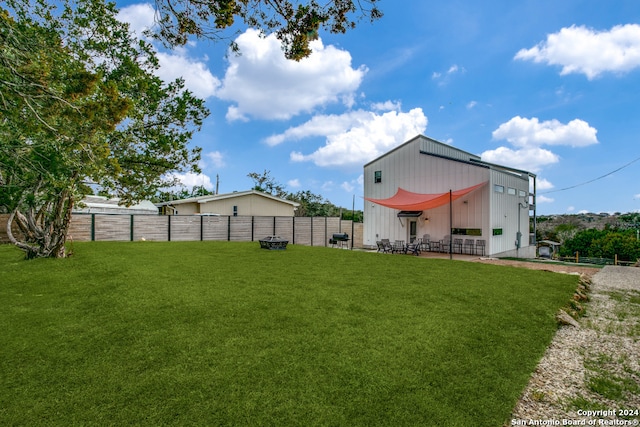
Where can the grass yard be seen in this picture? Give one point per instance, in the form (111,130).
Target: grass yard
(228,334)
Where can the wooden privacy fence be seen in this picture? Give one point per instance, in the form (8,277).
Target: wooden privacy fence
(309,231)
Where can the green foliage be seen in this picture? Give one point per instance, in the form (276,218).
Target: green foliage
(82,104)
(130,334)
(295,24)
(265,183)
(183,193)
(606,243)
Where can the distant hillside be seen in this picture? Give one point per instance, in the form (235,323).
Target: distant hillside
(556,227)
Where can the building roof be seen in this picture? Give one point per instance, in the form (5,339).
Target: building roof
(101,204)
(235,194)
(468,157)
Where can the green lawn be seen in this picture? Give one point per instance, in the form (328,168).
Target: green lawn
(219,333)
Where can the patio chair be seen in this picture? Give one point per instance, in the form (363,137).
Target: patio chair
(426,243)
(386,246)
(398,246)
(445,244)
(457,246)
(480,246)
(414,247)
(468,246)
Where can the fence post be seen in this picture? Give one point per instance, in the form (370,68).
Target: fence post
(168,228)
(615,259)
(252,226)
(229,229)
(293,229)
(311,231)
(201,228)
(274,226)
(131,229)
(93,227)
(577,257)
(325,231)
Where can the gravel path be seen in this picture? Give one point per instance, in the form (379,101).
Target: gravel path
(595,367)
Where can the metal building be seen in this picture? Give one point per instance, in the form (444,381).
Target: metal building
(427,187)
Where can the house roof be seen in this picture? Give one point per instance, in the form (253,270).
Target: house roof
(101,204)
(235,194)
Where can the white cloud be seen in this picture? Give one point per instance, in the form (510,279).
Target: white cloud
(529,135)
(367,136)
(544,199)
(264,84)
(637,196)
(543,184)
(191,179)
(471,104)
(347,186)
(213,158)
(198,79)
(140,17)
(579,49)
(445,78)
(387,106)
(523,132)
(327,186)
(571,208)
(321,126)
(294,183)
(529,159)
(350,186)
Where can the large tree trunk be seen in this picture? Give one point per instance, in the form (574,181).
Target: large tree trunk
(44,232)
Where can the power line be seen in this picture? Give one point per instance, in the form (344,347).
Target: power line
(592,180)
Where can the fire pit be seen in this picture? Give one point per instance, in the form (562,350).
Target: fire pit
(273,243)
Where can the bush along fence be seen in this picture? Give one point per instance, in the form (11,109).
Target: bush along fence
(308,231)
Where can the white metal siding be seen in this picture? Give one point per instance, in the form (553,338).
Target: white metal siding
(505,211)
(422,173)
(410,168)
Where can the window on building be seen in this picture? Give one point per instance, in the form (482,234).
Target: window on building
(498,188)
(522,193)
(511,191)
(497,231)
(467,231)
(235,211)
(377,176)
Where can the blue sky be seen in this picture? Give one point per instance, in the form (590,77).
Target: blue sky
(546,86)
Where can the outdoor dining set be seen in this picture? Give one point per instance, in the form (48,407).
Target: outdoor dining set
(425,244)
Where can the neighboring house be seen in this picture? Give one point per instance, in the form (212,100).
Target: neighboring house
(100,204)
(239,203)
(428,187)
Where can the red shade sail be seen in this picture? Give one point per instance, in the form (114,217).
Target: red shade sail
(407,201)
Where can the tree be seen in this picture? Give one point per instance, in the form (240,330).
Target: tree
(267,184)
(183,193)
(294,23)
(82,106)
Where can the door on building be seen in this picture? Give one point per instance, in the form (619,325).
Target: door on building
(413,230)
